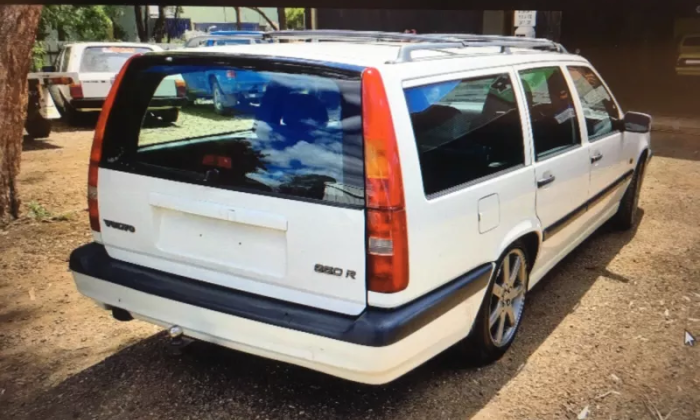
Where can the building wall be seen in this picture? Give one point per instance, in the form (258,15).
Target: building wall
(202,14)
(423,21)
(494,22)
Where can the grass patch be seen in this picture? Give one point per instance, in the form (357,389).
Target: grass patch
(41,213)
(38,212)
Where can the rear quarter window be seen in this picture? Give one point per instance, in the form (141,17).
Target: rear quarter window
(465,130)
(264,131)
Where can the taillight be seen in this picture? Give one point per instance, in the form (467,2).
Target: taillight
(96,151)
(387,237)
(76,90)
(181,88)
(60,80)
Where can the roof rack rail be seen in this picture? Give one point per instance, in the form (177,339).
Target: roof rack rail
(436,42)
(344,35)
(543,43)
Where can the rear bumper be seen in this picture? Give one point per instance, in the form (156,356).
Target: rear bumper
(688,70)
(95,104)
(374,347)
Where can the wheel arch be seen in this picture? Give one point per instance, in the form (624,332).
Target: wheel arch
(530,233)
(643,155)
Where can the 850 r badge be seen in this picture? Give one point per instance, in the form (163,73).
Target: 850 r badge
(334,271)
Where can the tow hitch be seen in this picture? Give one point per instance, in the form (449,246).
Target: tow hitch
(177,340)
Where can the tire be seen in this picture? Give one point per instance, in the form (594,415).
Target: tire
(483,346)
(626,216)
(71,116)
(38,127)
(218,96)
(168,115)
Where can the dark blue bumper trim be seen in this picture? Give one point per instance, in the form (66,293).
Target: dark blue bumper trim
(374,327)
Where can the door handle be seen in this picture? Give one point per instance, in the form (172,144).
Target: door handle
(546,180)
(596,157)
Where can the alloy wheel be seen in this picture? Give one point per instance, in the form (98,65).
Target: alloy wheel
(508,298)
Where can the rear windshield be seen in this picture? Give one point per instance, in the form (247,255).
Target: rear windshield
(107,59)
(267,131)
(692,41)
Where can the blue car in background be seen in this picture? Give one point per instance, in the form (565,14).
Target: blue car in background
(229,89)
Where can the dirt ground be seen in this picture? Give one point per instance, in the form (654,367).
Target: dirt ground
(604,331)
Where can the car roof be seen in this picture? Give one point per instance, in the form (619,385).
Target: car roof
(380,53)
(113,44)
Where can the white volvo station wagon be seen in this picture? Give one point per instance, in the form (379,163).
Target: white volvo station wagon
(387,197)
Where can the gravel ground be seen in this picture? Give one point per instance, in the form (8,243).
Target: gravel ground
(604,330)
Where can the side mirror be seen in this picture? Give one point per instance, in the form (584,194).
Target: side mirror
(48,69)
(636,122)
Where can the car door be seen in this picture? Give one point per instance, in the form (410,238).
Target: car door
(602,128)
(560,157)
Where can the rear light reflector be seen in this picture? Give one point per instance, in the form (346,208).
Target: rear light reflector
(60,80)
(387,236)
(387,251)
(76,91)
(96,151)
(181,88)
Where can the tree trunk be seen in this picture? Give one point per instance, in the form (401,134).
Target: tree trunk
(238,18)
(159,26)
(18,26)
(282,18)
(307,18)
(261,13)
(142,31)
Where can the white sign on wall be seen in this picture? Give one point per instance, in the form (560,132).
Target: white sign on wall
(525,18)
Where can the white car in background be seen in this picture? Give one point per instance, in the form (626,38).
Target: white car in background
(85,71)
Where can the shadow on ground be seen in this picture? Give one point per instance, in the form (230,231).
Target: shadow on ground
(676,145)
(208,381)
(84,122)
(30,144)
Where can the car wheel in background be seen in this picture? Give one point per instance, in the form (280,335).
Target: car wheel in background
(220,105)
(168,115)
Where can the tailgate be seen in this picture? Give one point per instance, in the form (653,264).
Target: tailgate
(96,85)
(269,200)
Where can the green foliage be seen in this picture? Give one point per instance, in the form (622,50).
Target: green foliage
(295,17)
(78,23)
(39,58)
(114,13)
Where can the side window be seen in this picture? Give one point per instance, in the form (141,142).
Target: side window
(58,64)
(65,56)
(465,130)
(600,111)
(552,115)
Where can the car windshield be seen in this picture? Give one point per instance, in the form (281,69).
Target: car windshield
(108,59)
